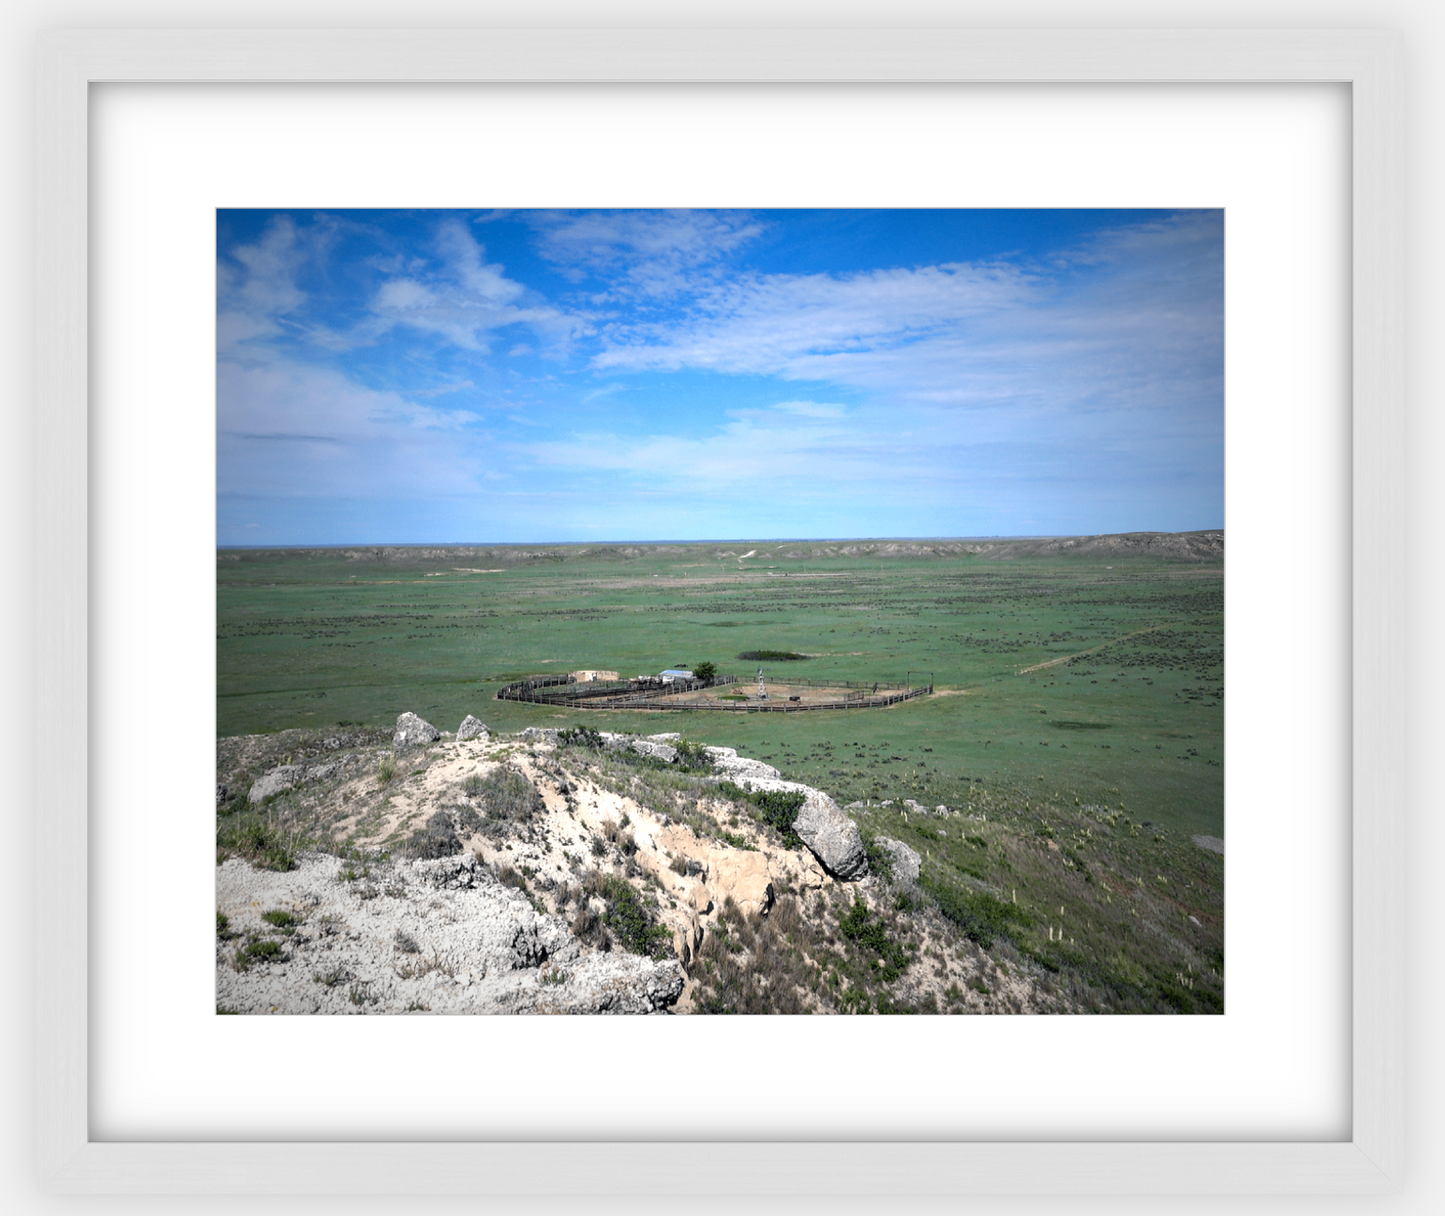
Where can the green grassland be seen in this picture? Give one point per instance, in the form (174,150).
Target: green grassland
(320,637)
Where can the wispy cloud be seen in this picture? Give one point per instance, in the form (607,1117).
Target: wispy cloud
(651,254)
(785,324)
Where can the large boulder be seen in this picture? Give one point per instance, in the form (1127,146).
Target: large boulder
(277,781)
(906,863)
(471,728)
(412,731)
(832,836)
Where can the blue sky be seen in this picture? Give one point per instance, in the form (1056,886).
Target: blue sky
(474,376)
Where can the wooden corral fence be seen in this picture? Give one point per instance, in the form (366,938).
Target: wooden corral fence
(559,690)
(549,690)
(795,707)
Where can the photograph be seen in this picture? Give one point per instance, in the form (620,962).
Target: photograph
(772,611)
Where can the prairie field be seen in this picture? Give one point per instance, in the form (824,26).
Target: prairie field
(1075,729)
(309,638)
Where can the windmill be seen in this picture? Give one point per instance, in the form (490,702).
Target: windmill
(762,690)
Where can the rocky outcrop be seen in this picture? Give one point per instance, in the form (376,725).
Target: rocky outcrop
(472,728)
(905,863)
(833,838)
(729,765)
(288,776)
(658,750)
(441,936)
(611,983)
(412,731)
(277,781)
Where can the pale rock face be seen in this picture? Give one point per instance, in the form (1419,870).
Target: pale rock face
(742,876)
(612,983)
(472,946)
(740,769)
(663,751)
(832,836)
(471,728)
(412,731)
(906,862)
(277,781)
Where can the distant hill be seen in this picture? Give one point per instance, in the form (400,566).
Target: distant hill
(1171,546)
(1207,546)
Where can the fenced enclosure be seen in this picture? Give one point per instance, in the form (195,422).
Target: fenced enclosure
(652,693)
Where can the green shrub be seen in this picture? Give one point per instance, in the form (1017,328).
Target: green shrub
(281,919)
(223,923)
(258,952)
(692,757)
(580,736)
(778,809)
(880,860)
(981,917)
(257,842)
(860,926)
(436,838)
(506,794)
(509,877)
(629,922)
(771,656)
(387,771)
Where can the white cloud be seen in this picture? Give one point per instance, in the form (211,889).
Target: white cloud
(771,324)
(1133,318)
(647,253)
(466,300)
(457,296)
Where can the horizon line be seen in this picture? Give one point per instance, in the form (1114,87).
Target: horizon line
(732,540)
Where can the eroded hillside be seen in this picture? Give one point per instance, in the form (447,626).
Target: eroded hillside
(572,872)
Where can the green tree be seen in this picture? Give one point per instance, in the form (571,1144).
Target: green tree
(705,671)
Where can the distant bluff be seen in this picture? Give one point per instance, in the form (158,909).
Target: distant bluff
(1205,546)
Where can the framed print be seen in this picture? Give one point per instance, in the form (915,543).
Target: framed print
(156,143)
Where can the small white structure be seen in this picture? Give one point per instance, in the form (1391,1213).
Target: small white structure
(590,676)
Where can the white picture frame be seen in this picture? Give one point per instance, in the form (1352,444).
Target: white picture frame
(1368,61)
